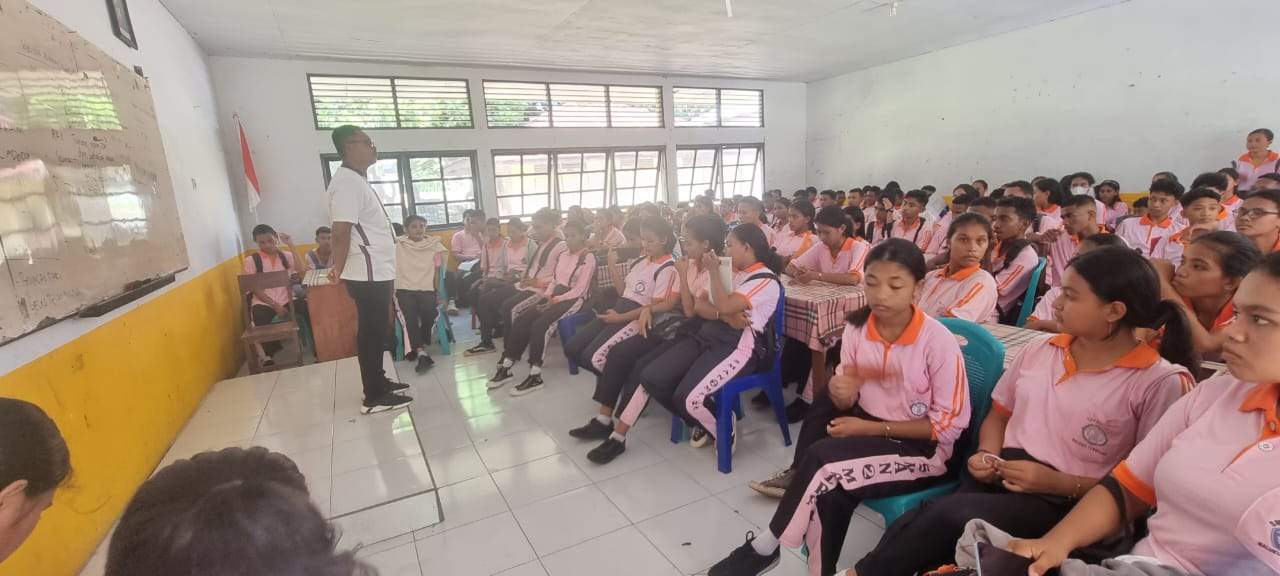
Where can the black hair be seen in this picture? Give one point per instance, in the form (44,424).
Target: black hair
(893,185)
(1197,194)
(709,229)
(1023,185)
(1112,184)
(893,194)
(983,182)
(1229,172)
(810,190)
(1271,195)
(340,135)
(1236,254)
(1080,200)
(1272,176)
(517,222)
(754,202)
(835,218)
(754,237)
(903,252)
(1215,180)
(829,193)
(323,230)
(263,229)
(234,511)
(576,226)
(1269,265)
(1122,275)
(930,188)
(414,218)
(1164,175)
(1081,174)
(492,222)
(965,189)
(919,196)
(964,199)
(546,216)
(801,193)
(1170,187)
(858,217)
(983,201)
(630,228)
(1057,196)
(1267,133)
(996,193)
(805,208)
(31,448)
(1141,202)
(1105,240)
(660,228)
(1025,208)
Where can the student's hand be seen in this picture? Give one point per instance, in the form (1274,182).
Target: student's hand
(542,304)
(612,257)
(849,426)
(1051,234)
(805,275)
(335,276)
(645,321)
(710,262)
(286,238)
(738,321)
(844,388)
(610,317)
(1046,553)
(1027,477)
(982,468)
(682,267)
(281,310)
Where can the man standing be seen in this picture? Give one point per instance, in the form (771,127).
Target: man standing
(364,258)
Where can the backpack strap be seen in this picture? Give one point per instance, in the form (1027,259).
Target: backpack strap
(257,262)
(919,227)
(545,253)
(664,266)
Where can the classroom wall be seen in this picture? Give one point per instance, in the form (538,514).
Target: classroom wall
(1122,92)
(121,387)
(273,100)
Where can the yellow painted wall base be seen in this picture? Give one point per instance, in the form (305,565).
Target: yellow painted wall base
(120,394)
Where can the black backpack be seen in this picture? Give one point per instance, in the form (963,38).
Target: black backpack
(766,342)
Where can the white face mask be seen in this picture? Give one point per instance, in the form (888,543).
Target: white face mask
(1082,191)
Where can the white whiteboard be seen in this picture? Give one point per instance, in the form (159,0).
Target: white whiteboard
(86,203)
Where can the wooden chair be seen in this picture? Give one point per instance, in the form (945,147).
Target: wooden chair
(255,336)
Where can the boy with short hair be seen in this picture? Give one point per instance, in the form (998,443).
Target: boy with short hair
(267,304)
(1145,232)
(1201,208)
(910,225)
(418,257)
(321,258)
(826,198)
(985,206)
(1079,220)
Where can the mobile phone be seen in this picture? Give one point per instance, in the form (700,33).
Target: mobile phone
(993,561)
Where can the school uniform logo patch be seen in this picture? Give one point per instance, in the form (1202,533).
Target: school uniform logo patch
(641,287)
(919,409)
(1275,538)
(1094,434)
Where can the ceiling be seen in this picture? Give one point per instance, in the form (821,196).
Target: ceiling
(799,40)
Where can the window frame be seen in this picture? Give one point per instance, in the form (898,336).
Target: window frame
(405,172)
(608,106)
(717,171)
(719,106)
(610,191)
(611,174)
(471,109)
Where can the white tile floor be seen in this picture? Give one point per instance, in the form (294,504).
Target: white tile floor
(517,494)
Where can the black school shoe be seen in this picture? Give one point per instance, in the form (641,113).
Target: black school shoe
(607,451)
(387,402)
(593,430)
(479,349)
(745,561)
(796,410)
(424,363)
(396,386)
(500,377)
(532,383)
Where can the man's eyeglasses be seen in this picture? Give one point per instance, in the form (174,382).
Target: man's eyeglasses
(1254,213)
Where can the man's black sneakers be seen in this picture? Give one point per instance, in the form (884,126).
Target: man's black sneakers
(607,451)
(389,401)
(593,430)
(745,561)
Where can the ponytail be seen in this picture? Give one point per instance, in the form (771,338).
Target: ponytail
(754,238)
(1175,344)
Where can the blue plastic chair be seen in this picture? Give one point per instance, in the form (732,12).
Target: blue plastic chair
(729,399)
(568,326)
(444,329)
(1029,299)
(983,363)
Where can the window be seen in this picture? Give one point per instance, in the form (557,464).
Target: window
(543,105)
(529,180)
(718,107)
(441,185)
(731,170)
(378,102)
(523,183)
(635,176)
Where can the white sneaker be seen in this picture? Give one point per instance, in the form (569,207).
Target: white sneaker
(699,438)
(452,310)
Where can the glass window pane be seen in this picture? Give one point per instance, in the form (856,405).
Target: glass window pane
(685,157)
(624,160)
(569,162)
(729,156)
(593,161)
(506,165)
(535,163)
(394,211)
(592,200)
(593,181)
(429,191)
(508,185)
(625,197)
(535,184)
(570,183)
(702,176)
(646,194)
(456,166)
(706,158)
(459,190)
(684,176)
(434,213)
(534,203)
(424,168)
(647,178)
(385,170)
(333,166)
(648,159)
(456,210)
(746,172)
(748,156)
(509,206)
(388,192)
(625,178)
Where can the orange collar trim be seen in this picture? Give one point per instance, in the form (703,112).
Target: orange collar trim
(1272,156)
(1167,222)
(1052,209)
(1263,398)
(960,274)
(1235,199)
(753,267)
(1140,357)
(662,259)
(908,336)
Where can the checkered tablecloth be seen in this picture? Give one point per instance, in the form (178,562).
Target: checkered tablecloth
(815,311)
(602,275)
(1015,338)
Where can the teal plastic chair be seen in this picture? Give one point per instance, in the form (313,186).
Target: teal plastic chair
(983,363)
(444,329)
(1029,299)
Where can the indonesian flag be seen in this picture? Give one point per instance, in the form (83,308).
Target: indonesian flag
(250,173)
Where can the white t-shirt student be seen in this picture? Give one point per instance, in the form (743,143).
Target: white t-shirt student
(372,256)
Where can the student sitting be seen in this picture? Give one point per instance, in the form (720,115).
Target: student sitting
(910,225)
(564,294)
(466,246)
(1049,197)
(985,206)
(1079,219)
(886,426)
(703,234)
(1067,409)
(235,511)
(1231,200)
(779,217)
(1145,232)
(799,235)
(963,289)
(1113,208)
(935,255)
(1208,467)
(1205,282)
(418,256)
(1259,220)
(1042,317)
(321,258)
(826,198)
(1201,210)
(502,303)
(1014,256)
(500,262)
(607,233)
(268,304)
(649,285)
(693,366)
(33,462)
(751,211)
